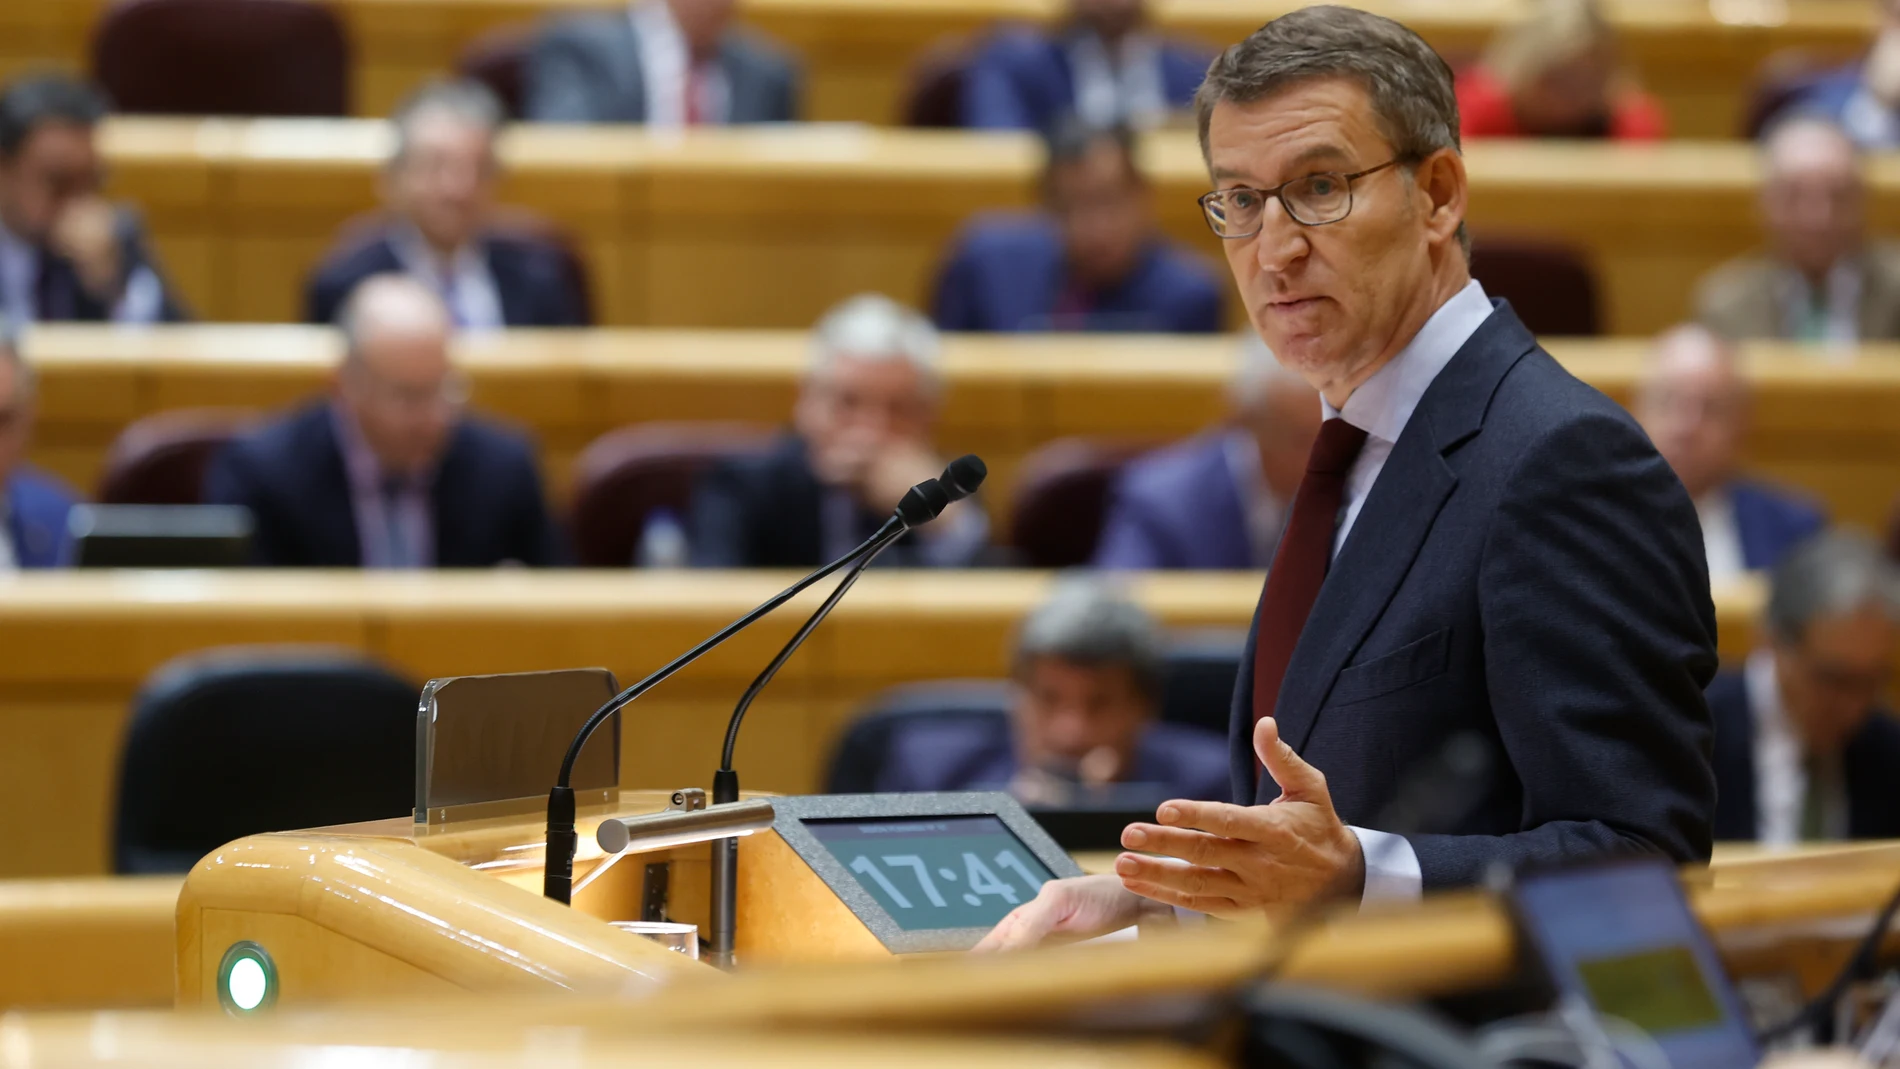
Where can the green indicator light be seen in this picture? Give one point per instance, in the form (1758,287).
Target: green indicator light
(247,979)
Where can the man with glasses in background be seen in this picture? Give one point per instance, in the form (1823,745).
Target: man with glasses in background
(1482,549)
(388,473)
(67,253)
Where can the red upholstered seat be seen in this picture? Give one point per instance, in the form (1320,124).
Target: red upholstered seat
(1062,498)
(161,459)
(223,57)
(1548,283)
(626,475)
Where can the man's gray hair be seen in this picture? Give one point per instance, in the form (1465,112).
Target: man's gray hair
(1832,573)
(1090,621)
(466,99)
(871,326)
(1409,83)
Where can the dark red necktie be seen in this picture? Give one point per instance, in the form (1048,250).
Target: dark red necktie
(1299,565)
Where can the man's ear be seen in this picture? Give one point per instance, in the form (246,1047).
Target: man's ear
(1441,177)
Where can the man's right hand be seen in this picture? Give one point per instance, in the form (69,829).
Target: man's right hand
(1079,908)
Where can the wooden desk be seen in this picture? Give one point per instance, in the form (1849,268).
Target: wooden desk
(1697,57)
(89,943)
(80,644)
(768,227)
(1828,428)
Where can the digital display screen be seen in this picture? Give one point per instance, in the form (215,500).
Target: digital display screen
(936,872)
(1623,938)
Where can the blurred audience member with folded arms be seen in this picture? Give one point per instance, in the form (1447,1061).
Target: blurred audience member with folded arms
(1102,63)
(33,504)
(438,190)
(1092,259)
(1821,278)
(861,437)
(1087,665)
(1694,404)
(664,63)
(1804,750)
(1557,73)
(1219,500)
(67,253)
(1863,98)
(389,473)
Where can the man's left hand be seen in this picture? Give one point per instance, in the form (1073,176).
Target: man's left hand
(86,233)
(1228,860)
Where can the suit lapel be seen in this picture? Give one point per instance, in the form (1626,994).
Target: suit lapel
(1398,513)
(510,286)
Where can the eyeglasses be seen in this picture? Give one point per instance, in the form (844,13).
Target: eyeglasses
(1314,200)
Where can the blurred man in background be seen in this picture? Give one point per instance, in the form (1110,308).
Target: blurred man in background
(67,253)
(1218,501)
(33,505)
(1093,259)
(1694,404)
(439,190)
(664,63)
(1820,279)
(1087,667)
(388,473)
(861,438)
(1803,749)
(1102,64)
(1863,97)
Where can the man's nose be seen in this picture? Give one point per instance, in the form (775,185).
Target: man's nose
(1281,241)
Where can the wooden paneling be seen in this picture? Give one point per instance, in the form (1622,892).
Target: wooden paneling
(1830,428)
(80,644)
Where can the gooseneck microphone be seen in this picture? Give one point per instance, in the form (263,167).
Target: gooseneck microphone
(921,504)
(959,480)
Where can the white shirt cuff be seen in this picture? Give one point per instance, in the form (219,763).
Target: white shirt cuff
(1392,872)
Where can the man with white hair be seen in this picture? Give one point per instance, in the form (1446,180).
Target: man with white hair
(860,438)
(1218,500)
(388,472)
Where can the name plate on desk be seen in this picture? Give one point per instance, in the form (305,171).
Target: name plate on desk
(916,872)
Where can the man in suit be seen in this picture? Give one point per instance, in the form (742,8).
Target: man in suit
(1483,547)
(33,504)
(388,473)
(1218,500)
(67,253)
(1694,404)
(439,189)
(1088,667)
(1103,64)
(665,63)
(861,438)
(1093,259)
(1821,278)
(1863,97)
(1803,749)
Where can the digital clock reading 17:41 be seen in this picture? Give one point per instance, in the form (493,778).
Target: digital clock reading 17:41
(936,872)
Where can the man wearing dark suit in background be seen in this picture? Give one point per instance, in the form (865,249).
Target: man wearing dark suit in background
(1093,259)
(1482,546)
(439,189)
(664,63)
(1218,500)
(67,253)
(33,504)
(1803,749)
(1694,404)
(1087,667)
(388,473)
(1103,64)
(861,438)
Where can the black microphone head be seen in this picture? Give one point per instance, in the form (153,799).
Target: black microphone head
(964,475)
(923,503)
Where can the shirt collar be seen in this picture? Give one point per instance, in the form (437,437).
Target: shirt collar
(420,260)
(1764,697)
(360,463)
(654,17)
(1383,404)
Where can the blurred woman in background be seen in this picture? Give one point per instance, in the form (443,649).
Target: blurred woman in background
(1556,74)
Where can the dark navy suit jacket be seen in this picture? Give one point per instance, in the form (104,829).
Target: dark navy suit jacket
(1007,273)
(1178,507)
(1526,568)
(980,755)
(488,507)
(1021,80)
(1771,521)
(1868,764)
(530,278)
(36,509)
(59,296)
